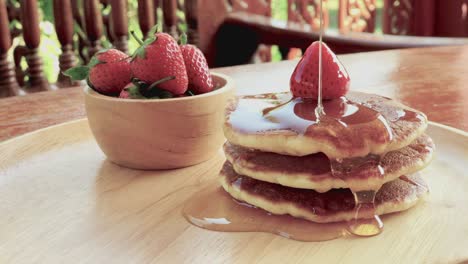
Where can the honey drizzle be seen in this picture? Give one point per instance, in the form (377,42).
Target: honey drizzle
(361,225)
(319,109)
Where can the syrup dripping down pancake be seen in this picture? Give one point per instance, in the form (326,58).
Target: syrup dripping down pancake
(313,171)
(354,126)
(333,206)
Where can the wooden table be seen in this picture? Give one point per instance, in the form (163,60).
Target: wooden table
(433,80)
(64,202)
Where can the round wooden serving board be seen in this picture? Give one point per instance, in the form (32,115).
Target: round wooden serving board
(63,202)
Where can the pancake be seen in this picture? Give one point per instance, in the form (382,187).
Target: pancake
(354,126)
(313,171)
(333,206)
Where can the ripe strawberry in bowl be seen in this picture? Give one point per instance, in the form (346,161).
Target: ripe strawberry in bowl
(156,121)
(159,133)
(107,72)
(198,74)
(158,57)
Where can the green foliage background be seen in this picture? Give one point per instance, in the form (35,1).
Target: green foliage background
(50,47)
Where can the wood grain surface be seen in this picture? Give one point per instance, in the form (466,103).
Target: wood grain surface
(64,202)
(433,80)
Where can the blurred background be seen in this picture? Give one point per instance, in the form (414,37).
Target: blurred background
(49,47)
(39,38)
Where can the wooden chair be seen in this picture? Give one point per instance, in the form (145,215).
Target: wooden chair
(226,27)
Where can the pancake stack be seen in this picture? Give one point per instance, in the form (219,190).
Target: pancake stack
(285,160)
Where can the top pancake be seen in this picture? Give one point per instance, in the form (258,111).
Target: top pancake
(353,126)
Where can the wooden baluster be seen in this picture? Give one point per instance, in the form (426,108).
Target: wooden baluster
(31,34)
(8,84)
(170,18)
(93,25)
(145,15)
(106,20)
(293,13)
(14,14)
(64,27)
(191,17)
(119,24)
(78,18)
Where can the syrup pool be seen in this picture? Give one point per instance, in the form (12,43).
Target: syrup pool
(214,209)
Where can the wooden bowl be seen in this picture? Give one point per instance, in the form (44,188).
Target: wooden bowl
(159,134)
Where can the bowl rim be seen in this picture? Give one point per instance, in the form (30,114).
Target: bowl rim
(225,88)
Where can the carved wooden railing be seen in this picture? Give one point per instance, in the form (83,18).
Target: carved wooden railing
(357,16)
(83,28)
(308,12)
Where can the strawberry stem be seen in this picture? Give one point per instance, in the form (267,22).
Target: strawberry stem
(156,83)
(136,37)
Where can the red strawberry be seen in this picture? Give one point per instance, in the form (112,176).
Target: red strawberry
(108,71)
(199,76)
(304,80)
(131,91)
(159,57)
(125,93)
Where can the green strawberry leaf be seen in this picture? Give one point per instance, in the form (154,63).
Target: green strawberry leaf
(141,51)
(134,92)
(95,61)
(77,73)
(183,39)
(153,30)
(189,93)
